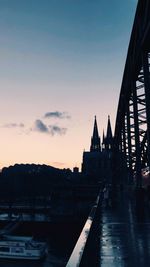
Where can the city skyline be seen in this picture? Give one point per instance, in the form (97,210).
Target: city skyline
(61,64)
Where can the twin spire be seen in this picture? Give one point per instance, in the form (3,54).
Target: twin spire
(95,140)
(109,131)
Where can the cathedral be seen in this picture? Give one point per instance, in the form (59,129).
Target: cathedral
(97,162)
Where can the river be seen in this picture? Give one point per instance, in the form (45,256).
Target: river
(60,238)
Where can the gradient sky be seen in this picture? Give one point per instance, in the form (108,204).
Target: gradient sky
(61,63)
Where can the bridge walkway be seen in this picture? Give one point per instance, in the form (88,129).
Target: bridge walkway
(124,238)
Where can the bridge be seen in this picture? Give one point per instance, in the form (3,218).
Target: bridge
(132,130)
(118,234)
(115,233)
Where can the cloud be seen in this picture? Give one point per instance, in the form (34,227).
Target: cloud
(41,127)
(51,129)
(58,164)
(57,114)
(14,125)
(54,129)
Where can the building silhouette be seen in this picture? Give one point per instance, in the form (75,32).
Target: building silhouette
(97,162)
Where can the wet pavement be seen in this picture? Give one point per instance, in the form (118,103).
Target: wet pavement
(125,240)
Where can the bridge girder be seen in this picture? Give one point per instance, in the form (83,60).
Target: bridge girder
(132,130)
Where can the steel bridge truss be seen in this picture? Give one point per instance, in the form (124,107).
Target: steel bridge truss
(132,130)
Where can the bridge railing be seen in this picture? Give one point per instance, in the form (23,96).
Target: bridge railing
(86,251)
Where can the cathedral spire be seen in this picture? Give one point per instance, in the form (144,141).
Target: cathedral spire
(109,138)
(103,137)
(109,131)
(103,141)
(95,140)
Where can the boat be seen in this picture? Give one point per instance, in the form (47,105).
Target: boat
(21,247)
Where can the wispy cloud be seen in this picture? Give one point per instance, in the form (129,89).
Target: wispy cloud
(13,125)
(58,164)
(40,126)
(54,129)
(57,114)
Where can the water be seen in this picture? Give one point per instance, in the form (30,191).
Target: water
(60,238)
(50,261)
(53,259)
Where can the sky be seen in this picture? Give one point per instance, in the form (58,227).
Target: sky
(61,63)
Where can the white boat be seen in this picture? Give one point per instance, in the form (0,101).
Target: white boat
(21,247)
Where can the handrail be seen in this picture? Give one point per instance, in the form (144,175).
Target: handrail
(76,258)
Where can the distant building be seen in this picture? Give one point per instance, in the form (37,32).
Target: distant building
(97,162)
(75,170)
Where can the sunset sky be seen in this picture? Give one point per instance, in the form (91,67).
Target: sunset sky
(61,63)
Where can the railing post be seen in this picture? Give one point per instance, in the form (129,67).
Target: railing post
(87,249)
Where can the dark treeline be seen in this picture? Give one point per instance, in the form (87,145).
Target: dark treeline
(25,180)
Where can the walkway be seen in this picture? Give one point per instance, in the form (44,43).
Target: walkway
(125,241)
